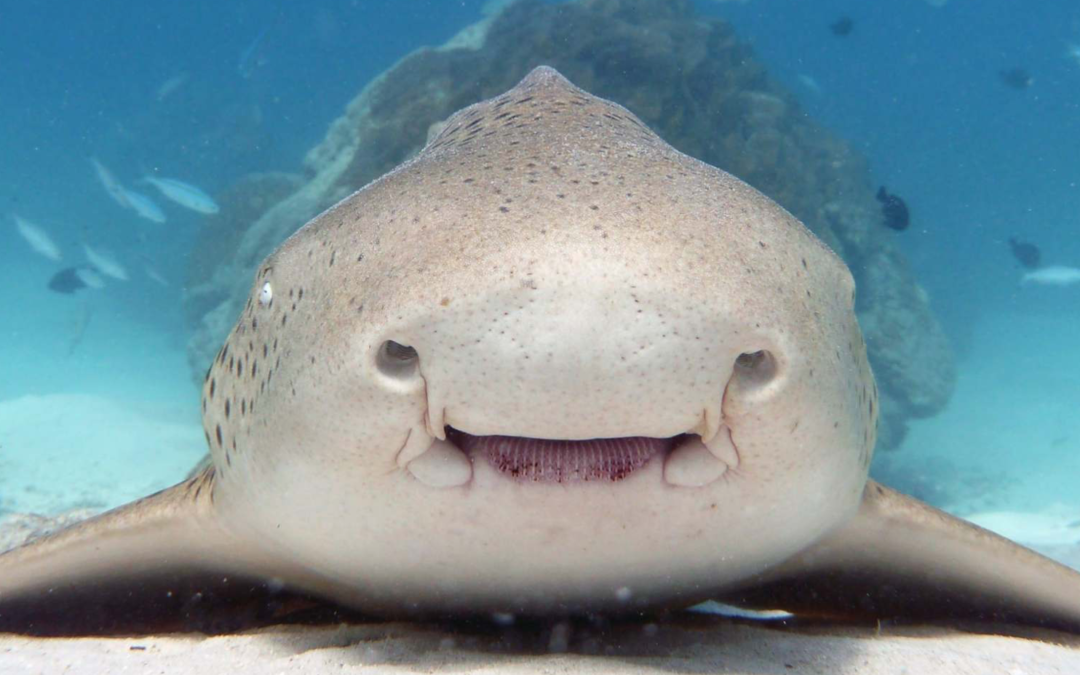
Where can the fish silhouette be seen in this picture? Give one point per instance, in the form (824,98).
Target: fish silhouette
(896,212)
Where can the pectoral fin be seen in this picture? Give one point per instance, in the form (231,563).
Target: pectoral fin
(154,564)
(900,558)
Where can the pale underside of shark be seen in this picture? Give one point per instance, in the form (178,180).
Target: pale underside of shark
(550,366)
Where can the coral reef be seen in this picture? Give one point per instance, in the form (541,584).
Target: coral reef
(688,78)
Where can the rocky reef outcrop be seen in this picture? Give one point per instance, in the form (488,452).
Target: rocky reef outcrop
(687,77)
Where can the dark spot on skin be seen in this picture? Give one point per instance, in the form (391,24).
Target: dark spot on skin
(266,350)
(333,255)
(284,318)
(504,209)
(243,406)
(227,408)
(300,294)
(254,369)
(213,386)
(254,323)
(360,258)
(594,207)
(219,435)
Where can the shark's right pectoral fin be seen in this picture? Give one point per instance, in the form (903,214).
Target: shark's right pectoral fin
(902,559)
(155,564)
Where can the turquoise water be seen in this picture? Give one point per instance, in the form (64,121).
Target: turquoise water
(97,399)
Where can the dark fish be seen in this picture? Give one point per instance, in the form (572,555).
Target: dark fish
(1017,78)
(66,281)
(895,210)
(842,27)
(1026,254)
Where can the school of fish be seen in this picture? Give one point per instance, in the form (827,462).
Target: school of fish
(98,263)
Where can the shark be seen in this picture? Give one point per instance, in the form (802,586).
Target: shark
(550,366)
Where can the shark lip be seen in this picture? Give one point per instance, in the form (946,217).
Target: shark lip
(543,460)
(689,461)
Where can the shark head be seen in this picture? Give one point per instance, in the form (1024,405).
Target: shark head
(549,363)
(551,366)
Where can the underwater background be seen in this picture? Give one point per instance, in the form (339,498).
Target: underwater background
(969,112)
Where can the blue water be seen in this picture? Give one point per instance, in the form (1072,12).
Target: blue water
(914,88)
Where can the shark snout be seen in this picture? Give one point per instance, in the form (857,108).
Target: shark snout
(579,387)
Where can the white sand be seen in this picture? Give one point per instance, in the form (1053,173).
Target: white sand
(718,647)
(1013,415)
(64,451)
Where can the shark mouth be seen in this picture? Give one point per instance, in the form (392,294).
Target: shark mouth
(688,461)
(543,460)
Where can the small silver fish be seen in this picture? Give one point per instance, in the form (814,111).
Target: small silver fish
(1054,275)
(111,185)
(144,206)
(170,85)
(184,194)
(105,263)
(38,239)
(90,278)
(1073,52)
(154,275)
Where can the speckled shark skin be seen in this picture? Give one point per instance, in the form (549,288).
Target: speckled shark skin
(551,366)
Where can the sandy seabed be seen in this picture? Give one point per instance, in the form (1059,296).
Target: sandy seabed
(721,647)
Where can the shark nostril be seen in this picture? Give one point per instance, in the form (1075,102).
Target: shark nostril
(755,369)
(396,360)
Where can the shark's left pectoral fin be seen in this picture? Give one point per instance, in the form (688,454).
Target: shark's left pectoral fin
(161,563)
(900,558)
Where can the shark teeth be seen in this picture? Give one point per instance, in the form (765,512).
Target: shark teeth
(442,465)
(695,463)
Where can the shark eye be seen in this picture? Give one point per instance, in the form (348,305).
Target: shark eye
(266,295)
(755,369)
(396,359)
